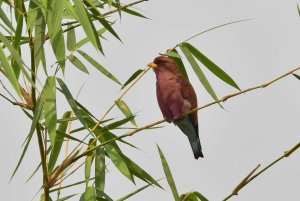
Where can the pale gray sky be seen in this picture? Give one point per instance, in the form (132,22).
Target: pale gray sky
(254,128)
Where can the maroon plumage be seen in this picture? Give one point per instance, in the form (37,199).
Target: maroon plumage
(175,96)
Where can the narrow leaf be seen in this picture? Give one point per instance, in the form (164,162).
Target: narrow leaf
(89,194)
(180,65)
(71,39)
(71,101)
(54,16)
(88,162)
(66,197)
(16,44)
(132,12)
(83,41)
(118,161)
(297,76)
(132,77)
(211,66)
(49,97)
(58,141)
(125,110)
(36,116)
(198,72)
(9,72)
(87,24)
(77,63)
(133,193)
(168,174)
(99,67)
(99,171)
(200,196)
(172,54)
(6,21)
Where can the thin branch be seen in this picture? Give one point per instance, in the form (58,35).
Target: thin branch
(225,98)
(122,7)
(249,179)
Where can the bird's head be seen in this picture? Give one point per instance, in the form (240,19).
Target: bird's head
(164,64)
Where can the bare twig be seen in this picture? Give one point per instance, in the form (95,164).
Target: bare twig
(247,180)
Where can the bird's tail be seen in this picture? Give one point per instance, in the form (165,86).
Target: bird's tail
(187,127)
(196,146)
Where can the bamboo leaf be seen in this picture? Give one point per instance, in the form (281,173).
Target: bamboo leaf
(71,39)
(297,76)
(172,54)
(200,196)
(198,72)
(35,120)
(89,161)
(58,141)
(87,24)
(71,102)
(134,192)
(49,98)
(99,67)
(298,9)
(85,40)
(97,15)
(11,76)
(54,16)
(5,20)
(168,174)
(132,12)
(132,77)
(118,161)
(16,44)
(66,197)
(180,65)
(39,54)
(99,171)
(123,107)
(140,173)
(77,63)
(89,194)
(211,65)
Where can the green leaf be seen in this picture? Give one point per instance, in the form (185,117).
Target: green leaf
(99,171)
(140,173)
(118,161)
(132,12)
(32,14)
(89,161)
(71,39)
(297,76)
(298,9)
(6,21)
(77,63)
(200,196)
(134,192)
(180,65)
(36,115)
(211,66)
(168,174)
(89,194)
(172,54)
(54,16)
(10,74)
(125,110)
(87,24)
(198,71)
(71,102)
(66,197)
(58,141)
(16,44)
(99,67)
(39,41)
(48,96)
(83,41)
(98,16)
(132,77)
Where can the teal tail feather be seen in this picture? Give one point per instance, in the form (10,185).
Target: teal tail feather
(189,129)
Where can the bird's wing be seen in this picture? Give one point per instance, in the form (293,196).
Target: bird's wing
(189,95)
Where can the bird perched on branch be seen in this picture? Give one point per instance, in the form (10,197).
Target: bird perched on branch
(176,96)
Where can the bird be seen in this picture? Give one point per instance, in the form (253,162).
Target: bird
(176,96)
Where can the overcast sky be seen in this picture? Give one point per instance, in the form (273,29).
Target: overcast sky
(254,128)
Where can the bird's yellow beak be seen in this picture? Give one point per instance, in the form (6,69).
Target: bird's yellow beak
(152,65)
